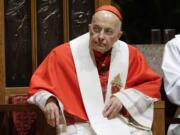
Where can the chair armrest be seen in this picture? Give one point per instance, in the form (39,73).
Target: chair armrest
(41,126)
(158,127)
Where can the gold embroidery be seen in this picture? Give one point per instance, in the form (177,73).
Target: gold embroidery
(116,84)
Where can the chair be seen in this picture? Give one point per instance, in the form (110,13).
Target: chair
(23,119)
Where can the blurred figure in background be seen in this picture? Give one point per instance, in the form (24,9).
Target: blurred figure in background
(171,69)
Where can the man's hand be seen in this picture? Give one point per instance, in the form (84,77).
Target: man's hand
(52,112)
(112,108)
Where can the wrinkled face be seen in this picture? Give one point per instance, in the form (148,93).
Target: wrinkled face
(104,31)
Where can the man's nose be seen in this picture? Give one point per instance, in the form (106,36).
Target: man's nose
(101,35)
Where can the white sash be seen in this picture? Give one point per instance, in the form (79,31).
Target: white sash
(90,84)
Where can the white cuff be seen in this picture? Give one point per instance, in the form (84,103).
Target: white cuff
(40,99)
(138,105)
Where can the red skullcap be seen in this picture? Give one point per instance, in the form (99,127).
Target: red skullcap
(112,9)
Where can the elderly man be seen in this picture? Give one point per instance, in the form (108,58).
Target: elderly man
(171,69)
(101,85)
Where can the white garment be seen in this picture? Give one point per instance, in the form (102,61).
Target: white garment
(41,97)
(171,69)
(86,129)
(78,129)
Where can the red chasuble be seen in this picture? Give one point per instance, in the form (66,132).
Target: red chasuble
(57,75)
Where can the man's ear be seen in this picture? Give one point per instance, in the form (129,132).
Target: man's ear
(89,26)
(120,34)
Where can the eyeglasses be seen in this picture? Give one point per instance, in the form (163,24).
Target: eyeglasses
(98,29)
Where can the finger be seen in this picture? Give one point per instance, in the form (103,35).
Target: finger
(114,113)
(109,110)
(106,108)
(47,112)
(56,112)
(52,117)
(109,105)
(114,109)
(57,117)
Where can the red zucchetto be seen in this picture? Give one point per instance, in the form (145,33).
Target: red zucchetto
(112,9)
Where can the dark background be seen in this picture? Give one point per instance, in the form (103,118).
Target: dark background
(140,16)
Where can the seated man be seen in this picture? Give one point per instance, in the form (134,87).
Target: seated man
(171,69)
(102,85)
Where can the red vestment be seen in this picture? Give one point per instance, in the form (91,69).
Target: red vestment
(57,74)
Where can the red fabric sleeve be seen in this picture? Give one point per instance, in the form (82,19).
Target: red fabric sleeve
(57,75)
(140,76)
